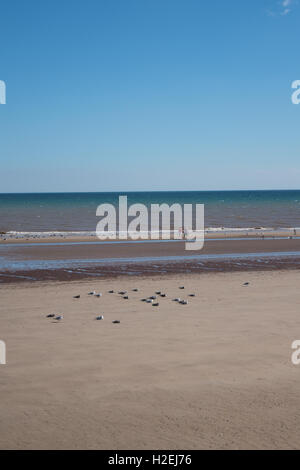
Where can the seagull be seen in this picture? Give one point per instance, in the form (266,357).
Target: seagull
(59,317)
(153,297)
(149,301)
(176,300)
(100,317)
(92,293)
(98,295)
(183,302)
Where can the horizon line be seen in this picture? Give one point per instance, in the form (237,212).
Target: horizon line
(148,191)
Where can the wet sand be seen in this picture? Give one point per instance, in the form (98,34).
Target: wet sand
(74,261)
(215,373)
(143,249)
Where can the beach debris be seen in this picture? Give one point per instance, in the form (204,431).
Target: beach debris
(155,305)
(111,291)
(51,315)
(100,317)
(126,297)
(246,284)
(92,293)
(59,317)
(116,321)
(181,287)
(135,290)
(76,297)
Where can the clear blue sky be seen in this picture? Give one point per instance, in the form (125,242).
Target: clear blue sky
(149,95)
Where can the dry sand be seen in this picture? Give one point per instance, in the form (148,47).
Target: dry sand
(216,373)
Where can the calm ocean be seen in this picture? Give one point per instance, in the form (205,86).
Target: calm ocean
(77,211)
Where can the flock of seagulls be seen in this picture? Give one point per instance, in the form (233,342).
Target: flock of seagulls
(152,299)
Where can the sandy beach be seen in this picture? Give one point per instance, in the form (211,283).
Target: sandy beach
(215,373)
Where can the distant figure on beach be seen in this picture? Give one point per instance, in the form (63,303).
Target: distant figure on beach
(182,233)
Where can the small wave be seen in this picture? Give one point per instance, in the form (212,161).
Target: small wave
(146,234)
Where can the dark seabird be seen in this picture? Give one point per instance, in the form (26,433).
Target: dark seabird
(181,287)
(135,290)
(116,321)
(110,291)
(76,297)
(153,297)
(143,300)
(125,297)
(122,292)
(51,315)
(158,292)
(183,302)
(155,305)
(192,295)
(163,295)
(246,284)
